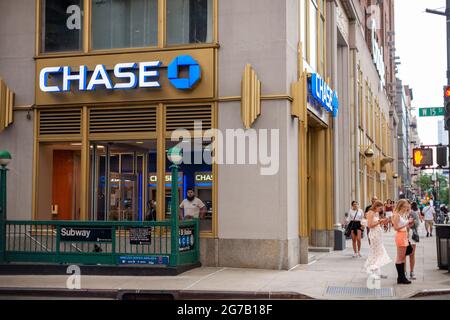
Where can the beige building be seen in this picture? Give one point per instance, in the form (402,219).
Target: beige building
(301,68)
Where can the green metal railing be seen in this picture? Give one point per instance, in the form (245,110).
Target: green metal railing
(67,242)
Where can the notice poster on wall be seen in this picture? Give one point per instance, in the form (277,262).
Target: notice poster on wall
(187,239)
(140,235)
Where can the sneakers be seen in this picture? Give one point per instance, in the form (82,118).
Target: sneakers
(359,255)
(412,276)
(355,255)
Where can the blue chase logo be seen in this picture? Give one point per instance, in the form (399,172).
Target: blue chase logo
(173,72)
(322,93)
(124,76)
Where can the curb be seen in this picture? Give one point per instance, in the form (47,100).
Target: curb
(430,293)
(115,294)
(93,270)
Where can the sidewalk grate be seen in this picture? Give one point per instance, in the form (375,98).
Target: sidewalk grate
(360,292)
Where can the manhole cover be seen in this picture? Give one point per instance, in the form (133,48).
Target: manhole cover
(360,292)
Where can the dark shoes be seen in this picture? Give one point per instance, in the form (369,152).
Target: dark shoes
(401,279)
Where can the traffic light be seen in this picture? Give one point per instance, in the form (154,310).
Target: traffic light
(441,156)
(422,157)
(447,107)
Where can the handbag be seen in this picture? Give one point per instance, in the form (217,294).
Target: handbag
(349,228)
(415,235)
(409,249)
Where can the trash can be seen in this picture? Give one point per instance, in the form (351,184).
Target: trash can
(339,237)
(443,245)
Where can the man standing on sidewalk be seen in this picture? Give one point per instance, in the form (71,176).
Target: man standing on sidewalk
(193,207)
(430,215)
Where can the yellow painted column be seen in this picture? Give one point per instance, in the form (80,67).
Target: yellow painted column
(84,197)
(161,159)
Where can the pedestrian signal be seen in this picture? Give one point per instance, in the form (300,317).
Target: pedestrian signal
(422,157)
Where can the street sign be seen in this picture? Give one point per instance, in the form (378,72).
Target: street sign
(431,112)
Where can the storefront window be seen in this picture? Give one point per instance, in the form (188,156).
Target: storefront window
(124,23)
(313,34)
(119,171)
(195,173)
(62,25)
(189,21)
(58,192)
(303,26)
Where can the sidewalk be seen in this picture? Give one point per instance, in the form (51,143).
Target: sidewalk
(336,269)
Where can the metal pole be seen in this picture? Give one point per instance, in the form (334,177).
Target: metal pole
(447,14)
(3,207)
(174,214)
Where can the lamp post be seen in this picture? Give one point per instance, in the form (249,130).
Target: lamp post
(175,157)
(5,158)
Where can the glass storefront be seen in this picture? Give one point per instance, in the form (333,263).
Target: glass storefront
(196,173)
(118,174)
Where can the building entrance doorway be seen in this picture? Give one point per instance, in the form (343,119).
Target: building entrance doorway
(120,181)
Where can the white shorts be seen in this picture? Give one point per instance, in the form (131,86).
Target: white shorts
(389,214)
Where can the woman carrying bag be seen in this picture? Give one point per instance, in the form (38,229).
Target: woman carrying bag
(401,222)
(354,228)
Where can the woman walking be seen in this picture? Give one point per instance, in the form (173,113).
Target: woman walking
(378,256)
(413,237)
(401,222)
(355,215)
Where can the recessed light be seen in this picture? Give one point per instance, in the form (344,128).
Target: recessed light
(139,142)
(76,144)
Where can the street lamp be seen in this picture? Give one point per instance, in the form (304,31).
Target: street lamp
(176,158)
(5,158)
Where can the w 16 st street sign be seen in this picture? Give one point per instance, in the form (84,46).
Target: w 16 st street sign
(431,112)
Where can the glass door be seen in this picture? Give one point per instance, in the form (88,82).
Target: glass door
(118,175)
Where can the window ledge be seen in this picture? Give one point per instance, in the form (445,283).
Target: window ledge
(125,51)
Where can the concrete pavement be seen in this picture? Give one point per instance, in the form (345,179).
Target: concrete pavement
(335,269)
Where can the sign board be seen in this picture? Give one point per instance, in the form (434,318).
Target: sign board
(153,179)
(149,260)
(140,235)
(121,78)
(187,238)
(203,179)
(422,157)
(85,234)
(323,94)
(431,112)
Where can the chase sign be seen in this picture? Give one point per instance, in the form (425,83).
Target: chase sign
(323,94)
(126,76)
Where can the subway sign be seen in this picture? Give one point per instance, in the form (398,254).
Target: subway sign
(123,76)
(323,94)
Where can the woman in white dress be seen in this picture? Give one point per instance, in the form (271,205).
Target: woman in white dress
(378,256)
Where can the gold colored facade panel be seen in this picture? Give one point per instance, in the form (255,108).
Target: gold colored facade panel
(251,97)
(6,106)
